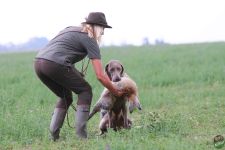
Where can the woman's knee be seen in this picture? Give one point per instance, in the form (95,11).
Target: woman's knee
(64,102)
(85,97)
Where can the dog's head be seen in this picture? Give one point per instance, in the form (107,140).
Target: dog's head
(114,70)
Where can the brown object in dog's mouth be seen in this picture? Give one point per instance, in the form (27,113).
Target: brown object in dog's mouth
(127,85)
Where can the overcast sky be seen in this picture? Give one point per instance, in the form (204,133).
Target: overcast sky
(174,21)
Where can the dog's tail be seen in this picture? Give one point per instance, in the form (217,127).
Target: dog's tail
(96,109)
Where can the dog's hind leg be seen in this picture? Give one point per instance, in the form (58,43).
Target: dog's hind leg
(103,124)
(129,123)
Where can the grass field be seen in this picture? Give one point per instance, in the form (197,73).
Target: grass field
(181,89)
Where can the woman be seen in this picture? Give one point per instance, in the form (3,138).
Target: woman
(54,67)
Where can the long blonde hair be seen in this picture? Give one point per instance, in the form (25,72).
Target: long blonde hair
(94,31)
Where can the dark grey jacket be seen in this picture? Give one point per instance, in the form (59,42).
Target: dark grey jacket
(70,46)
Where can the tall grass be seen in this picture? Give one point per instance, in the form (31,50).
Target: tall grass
(181,89)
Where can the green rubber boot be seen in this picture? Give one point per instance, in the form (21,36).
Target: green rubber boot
(82,115)
(57,122)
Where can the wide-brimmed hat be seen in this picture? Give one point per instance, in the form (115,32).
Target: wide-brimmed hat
(97,18)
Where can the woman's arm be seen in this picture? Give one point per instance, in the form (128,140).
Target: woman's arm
(103,78)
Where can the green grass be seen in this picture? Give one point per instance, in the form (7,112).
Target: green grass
(181,88)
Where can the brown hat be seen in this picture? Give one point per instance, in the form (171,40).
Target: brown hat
(97,18)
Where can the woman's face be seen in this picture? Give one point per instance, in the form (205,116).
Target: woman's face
(99,30)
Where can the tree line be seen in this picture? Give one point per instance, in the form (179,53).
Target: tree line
(31,45)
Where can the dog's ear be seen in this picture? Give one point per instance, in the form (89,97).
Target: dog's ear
(122,72)
(107,71)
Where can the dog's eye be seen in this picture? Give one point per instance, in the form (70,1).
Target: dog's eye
(118,69)
(112,70)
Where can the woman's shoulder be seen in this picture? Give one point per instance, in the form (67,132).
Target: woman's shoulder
(73,29)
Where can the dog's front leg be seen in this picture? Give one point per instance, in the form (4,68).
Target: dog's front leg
(110,118)
(124,111)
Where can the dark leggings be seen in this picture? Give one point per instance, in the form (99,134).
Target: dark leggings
(63,80)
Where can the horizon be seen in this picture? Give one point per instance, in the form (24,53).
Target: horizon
(174,22)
